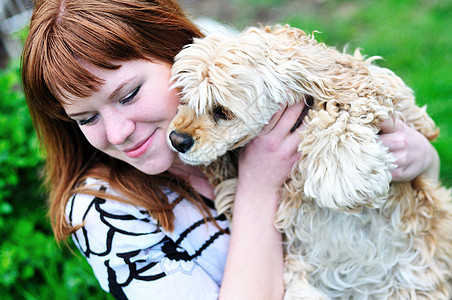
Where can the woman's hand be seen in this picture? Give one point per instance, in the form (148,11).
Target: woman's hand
(268,158)
(414,154)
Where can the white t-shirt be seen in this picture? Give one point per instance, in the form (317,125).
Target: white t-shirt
(133,258)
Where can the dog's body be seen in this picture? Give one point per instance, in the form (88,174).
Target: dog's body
(349,233)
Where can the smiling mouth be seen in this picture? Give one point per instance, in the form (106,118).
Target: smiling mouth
(141,148)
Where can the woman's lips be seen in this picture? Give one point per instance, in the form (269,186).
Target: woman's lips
(141,148)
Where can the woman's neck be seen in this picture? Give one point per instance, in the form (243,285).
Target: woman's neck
(195,177)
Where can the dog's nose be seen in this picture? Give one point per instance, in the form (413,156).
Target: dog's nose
(182,142)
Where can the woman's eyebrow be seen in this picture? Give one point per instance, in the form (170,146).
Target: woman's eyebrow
(119,88)
(77,114)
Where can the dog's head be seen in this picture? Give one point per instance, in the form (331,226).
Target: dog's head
(231,86)
(228,93)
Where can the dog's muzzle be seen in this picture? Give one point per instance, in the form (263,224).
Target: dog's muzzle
(182,142)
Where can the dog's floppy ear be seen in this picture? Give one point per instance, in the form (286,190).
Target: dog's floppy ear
(343,165)
(191,71)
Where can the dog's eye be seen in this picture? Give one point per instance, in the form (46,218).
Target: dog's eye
(221,113)
(309,100)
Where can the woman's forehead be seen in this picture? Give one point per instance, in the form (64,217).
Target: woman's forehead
(110,83)
(93,82)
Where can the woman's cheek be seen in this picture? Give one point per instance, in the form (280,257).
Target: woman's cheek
(96,137)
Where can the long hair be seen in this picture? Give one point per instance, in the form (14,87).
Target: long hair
(63,35)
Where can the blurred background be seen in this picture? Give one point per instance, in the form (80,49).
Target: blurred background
(413,37)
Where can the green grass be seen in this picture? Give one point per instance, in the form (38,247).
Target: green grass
(413,37)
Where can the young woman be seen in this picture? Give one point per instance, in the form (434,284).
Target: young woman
(96,78)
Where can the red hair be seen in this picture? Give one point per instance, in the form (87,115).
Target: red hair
(65,33)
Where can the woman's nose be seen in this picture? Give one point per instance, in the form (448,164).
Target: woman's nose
(118,127)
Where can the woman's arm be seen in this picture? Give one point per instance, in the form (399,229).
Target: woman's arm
(414,154)
(254,266)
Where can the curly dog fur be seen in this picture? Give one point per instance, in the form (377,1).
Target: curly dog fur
(349,232)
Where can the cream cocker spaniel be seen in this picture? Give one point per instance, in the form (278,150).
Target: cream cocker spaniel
(349,233)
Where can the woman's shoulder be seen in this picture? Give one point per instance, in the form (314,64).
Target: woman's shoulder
(83,207)
(93,212)
(107,225)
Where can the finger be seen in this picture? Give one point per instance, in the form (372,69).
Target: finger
(273,121)
(300,124)
(292,115)
(389,125)
(290,118)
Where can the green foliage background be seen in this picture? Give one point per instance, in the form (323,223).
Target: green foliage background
(413,37)
(32,265)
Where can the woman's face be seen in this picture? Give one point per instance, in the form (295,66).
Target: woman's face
(128,117)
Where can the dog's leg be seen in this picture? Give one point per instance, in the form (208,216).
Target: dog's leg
(225,196)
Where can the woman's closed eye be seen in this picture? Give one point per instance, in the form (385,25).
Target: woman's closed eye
(92,119)
(87,121)
(130,96)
